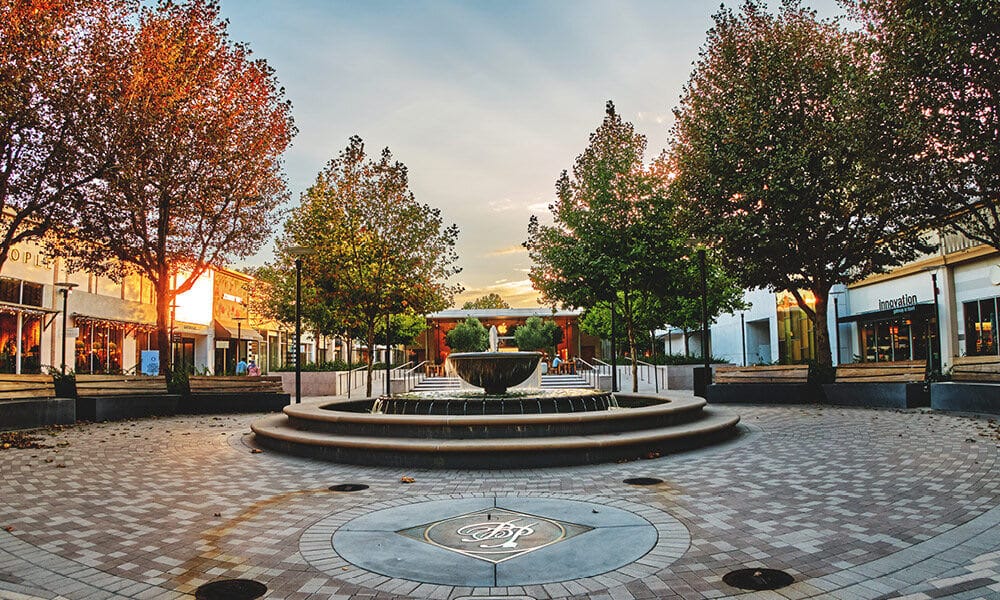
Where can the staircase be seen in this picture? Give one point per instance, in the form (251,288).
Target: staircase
(433,384)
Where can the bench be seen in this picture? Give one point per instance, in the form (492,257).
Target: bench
(29,401)
(974,386)
(898,384)
(113,397)
(762,384)
(234,394)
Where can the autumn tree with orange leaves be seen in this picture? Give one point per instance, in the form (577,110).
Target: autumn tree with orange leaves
(199,134)
(57,71)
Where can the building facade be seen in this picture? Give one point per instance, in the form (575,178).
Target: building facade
(935,308)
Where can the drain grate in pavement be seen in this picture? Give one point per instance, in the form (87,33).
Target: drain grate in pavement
(348,487)
(758,579)
(642,481)
(231,589)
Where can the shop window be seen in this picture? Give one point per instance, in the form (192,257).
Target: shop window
(31,293)
(796,341)
(981,327)
(8,342)
(99,349)
(10,290)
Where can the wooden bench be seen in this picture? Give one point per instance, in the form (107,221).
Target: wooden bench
(112,397)
(763,384)
(898,384)
(907,371)
(29,401)
(761,374)
(974,386)
(234,394)
(985,369)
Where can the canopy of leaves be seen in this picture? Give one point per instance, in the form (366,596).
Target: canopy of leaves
(941,57)
(58,92)
(537,334)
(469,336)
(403,329)
(378,250)
(779,151)
(491,300)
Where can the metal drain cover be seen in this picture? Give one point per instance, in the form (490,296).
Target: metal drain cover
(758,579)
(348,487)
(231,589)
(642,481)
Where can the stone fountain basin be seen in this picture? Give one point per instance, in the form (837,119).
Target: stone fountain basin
(495,371)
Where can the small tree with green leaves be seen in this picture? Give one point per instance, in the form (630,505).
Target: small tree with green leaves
(469,336)
(491,300)
(538,335)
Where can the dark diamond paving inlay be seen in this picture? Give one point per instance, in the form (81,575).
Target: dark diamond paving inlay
(495,535)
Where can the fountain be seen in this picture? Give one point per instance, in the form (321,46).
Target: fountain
(495,424)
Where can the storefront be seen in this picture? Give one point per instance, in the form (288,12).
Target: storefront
(22,320)
(905,333)
(110,345)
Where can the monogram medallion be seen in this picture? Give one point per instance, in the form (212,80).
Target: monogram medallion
(494,535)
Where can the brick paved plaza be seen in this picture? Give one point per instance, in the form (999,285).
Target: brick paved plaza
(853,503)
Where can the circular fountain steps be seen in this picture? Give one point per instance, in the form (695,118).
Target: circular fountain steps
(495,441)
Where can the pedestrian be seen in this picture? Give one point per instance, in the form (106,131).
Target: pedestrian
(241,367)
(252,369)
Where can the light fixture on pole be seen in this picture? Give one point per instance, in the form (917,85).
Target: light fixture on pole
(239,338)
(298,252)
(64,289)
(704,316)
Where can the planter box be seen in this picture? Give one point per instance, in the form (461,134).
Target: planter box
(113,408)
(878,394)
(680,377)
(30,413)
(963,396)
(314,383)
(764,393)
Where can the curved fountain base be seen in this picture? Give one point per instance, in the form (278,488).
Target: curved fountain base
(520,402)
(646,425)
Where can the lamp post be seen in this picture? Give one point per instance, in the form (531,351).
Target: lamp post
(239,337)
(704,316)
(64,289)
(614,360)
(298,252)
(937,329)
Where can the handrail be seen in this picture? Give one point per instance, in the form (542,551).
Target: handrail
(592,373)
(655,369)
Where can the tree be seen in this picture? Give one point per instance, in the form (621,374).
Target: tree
(778,151)
(379,251)
(200,131)
(538,335)
(491,300)
(403,329)
(469,336)
(614,233)
(941,57)
(57,100)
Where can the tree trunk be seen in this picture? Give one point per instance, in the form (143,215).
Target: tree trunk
(370,338)
(630,333)
(687,345)
(163,308)
(817,315)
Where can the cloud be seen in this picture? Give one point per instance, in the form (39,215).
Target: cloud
(539,207)
(518,249)
(518,294)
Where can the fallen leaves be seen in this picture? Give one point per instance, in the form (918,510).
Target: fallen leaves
(406,479)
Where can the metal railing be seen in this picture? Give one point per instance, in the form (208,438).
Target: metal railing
(591,372)
(645,369)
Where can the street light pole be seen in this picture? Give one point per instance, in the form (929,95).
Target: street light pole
(239,338)
(388,357)
(704,316)
(298,252)
(64,289)
(937,328)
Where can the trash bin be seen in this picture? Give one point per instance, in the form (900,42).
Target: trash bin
(702,377)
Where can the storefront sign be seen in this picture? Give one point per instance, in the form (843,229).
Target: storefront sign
(904,301)
(150,362)
(72,332)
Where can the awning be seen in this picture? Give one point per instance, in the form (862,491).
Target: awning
(223,332)
(13,308)
(922,310)
(127,326)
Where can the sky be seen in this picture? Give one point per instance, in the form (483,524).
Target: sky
(485,102)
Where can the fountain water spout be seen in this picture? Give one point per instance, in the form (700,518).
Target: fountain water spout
(494,338)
